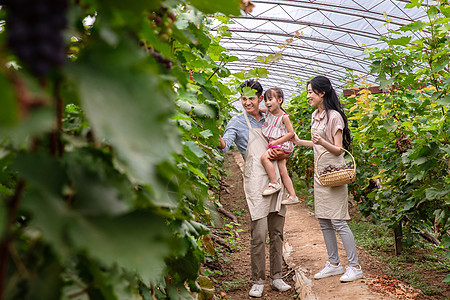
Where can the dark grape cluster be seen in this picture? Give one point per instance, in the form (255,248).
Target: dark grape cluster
(332,168)
(160,59)
(162,20)
(34,33)
(403,143)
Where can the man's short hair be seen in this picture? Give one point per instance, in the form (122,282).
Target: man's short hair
(254,85)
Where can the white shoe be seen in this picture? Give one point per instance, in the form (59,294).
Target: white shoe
(280,285)
(256,290)
(275,188)
(290,200)
(351,274)
(329,270)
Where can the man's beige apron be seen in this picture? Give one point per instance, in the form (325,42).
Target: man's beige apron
(329,202)
(256,179)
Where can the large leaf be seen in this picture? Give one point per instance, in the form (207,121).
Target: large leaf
(444,100)
(41,170)
(51,217)
(138,241)
(99,188)
(126,105)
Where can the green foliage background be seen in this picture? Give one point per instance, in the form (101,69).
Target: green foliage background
(400,137)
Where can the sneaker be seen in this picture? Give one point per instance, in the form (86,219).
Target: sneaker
(290,200)
(329,270)
(280,285)
(351,273)
(269,191)
(256,290)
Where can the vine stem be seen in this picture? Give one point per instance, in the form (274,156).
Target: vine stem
(5,244)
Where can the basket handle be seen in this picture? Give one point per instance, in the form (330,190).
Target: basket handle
(317,161)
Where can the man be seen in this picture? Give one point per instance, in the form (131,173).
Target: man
(267,213)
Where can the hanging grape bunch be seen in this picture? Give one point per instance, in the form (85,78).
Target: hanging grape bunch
(160,59)
(162,21)
(403,143)
(332,168)
(34,33)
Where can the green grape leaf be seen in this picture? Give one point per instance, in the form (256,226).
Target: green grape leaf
(206,133)
(239,75)
(45,281)
(41,170)
(204,110)
(445,101)
(434,193)
(50,216)
(248,92)
(414,26)
(193,152)
(389,125)
(400,41)
(99,188)
(127,106)
(114,241)
(35,124)
(227,7)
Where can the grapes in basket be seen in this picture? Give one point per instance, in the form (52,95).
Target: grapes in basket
(332,168)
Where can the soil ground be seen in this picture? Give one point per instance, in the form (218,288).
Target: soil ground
(303,235)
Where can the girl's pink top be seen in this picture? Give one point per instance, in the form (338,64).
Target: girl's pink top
(273,129)
(330,125)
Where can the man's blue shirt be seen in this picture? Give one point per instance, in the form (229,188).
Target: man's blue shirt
(237,131)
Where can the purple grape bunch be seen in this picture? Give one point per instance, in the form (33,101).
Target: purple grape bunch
(332,168)
(34,33)
(163,20)
(167,63)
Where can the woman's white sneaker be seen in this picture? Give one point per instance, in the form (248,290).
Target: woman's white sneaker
(351,274)
(329,270)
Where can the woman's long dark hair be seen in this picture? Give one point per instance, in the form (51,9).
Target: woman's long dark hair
(321,84)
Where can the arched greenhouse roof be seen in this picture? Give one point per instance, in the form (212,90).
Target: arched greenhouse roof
(332,35)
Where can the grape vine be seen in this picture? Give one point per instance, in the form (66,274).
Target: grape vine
(120,210)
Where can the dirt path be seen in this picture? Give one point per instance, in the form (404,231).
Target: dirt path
(303,234)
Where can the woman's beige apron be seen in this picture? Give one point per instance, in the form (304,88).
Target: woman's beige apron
(256,179)
(329,202)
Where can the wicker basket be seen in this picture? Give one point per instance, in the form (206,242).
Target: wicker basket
(336,178)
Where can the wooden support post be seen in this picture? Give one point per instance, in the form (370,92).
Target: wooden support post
(303,285)
(398,234)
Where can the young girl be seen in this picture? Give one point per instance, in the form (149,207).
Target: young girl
(330,132)
(278,130)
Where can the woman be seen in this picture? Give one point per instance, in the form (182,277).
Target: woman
(330,132)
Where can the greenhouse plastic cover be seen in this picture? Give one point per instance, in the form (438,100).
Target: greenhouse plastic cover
(332,36)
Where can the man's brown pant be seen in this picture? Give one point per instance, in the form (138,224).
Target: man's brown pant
(274,224)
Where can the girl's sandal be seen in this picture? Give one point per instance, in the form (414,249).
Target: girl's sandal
(290,200)
(269,191)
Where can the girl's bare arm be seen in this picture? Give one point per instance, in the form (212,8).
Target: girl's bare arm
(296,140)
